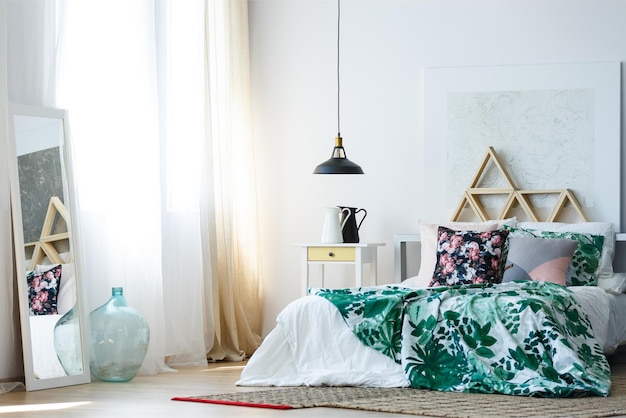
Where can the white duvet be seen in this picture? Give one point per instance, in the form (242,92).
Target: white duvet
(311,345)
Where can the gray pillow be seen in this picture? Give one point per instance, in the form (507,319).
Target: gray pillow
(539,259)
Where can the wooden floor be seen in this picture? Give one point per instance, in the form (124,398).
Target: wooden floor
(150,396)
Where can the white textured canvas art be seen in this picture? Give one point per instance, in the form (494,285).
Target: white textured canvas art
(553,126)
(545,139)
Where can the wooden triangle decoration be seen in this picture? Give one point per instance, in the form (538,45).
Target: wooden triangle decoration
(513,197)
(47,244)
(471,197)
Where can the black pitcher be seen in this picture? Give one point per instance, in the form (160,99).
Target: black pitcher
(350,230)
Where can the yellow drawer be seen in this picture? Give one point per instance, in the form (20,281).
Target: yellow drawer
(331,253)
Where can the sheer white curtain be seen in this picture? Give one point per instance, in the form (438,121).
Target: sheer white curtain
(154,147)
(34,33)
(10,344)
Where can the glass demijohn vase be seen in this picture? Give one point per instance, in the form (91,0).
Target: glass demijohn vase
(67,342)
(119,340)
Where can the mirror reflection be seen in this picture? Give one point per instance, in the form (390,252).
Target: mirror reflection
(47,279)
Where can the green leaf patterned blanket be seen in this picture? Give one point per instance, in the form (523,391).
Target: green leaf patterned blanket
(519,338)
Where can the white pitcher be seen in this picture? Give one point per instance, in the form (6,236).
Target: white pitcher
(331,234)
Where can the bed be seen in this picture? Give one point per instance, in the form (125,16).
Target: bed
(518,308)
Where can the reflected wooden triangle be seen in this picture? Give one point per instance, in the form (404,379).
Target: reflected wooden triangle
(56,218)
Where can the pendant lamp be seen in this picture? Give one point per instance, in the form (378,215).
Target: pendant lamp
(338,163)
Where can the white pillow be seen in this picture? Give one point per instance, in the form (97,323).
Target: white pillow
(428,239)
(412,282)
(614,284)
(605,267)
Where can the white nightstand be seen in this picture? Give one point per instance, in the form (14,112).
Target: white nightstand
(356,254)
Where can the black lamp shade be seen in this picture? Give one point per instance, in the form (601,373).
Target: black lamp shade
(338,163)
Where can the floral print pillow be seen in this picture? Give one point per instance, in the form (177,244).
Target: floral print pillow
(43,289)
(469,257)
(584,268)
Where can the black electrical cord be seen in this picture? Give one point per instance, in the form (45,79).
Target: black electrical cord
(338,81)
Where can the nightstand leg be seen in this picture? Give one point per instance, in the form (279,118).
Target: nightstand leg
(305,271)
(374,267)
(358,267)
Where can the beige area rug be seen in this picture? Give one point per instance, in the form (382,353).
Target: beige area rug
(430,403)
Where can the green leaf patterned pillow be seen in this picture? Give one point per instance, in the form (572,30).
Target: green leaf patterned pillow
(583,270)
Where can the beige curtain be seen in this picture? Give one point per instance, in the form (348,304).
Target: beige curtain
(230,238)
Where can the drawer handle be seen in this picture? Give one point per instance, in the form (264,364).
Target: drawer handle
(331,254)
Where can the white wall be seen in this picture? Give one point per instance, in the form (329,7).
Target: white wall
(385,45)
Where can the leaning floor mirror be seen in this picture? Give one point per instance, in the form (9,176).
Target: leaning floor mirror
(47,264)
